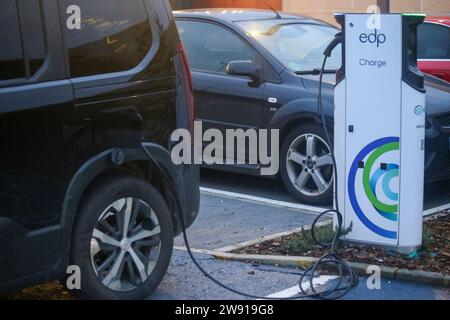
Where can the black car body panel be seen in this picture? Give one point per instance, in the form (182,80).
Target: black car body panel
(60,133)
(296,96)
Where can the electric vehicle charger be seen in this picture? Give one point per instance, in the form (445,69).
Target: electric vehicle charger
(379,131)
(347,278)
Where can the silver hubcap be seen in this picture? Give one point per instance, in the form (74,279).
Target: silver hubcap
(125,244)
(310,165)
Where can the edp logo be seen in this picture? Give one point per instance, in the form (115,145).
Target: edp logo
(375,37)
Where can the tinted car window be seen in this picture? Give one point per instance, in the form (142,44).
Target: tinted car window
(23,49)
(115,36)
(434,41)
(211,47)
(299,46)
(33,36)
(12,63)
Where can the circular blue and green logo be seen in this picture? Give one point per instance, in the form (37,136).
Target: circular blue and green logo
(419,110)
(370,179)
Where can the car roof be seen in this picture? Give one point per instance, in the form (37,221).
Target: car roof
(441,19)
(231,15)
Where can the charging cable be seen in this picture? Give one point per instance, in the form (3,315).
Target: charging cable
(347,278)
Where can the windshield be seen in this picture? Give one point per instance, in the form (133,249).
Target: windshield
(299,46)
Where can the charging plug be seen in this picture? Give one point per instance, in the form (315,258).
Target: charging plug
(333,44)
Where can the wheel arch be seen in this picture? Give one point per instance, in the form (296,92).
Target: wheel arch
(298,112)
(133,162)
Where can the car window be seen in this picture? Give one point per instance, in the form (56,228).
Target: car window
(22,54)
(34,41)
(434,41)
(115,36)
(298,46)
(12,62)
(211,47)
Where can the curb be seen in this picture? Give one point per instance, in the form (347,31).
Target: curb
(360,268)
(251,243)
(423,277)
(263,239)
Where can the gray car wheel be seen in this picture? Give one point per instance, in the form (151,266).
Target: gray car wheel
(307,165)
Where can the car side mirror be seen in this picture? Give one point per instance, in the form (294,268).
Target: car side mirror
(246,69)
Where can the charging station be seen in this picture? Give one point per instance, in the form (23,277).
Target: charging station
(380,131)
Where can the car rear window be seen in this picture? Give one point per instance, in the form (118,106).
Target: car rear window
(115,35)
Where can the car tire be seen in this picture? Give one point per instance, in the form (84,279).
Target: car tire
(113,264)
(306,165)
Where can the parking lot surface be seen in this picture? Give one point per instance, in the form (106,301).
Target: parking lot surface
(185,282)
(436,194)
(226,220)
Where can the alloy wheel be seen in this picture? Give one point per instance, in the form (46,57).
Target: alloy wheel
(309,164)
(125,244)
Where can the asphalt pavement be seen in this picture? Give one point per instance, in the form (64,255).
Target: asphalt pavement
(223,221)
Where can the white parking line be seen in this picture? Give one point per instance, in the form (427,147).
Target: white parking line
(261,200)
(292,292)
(291,205)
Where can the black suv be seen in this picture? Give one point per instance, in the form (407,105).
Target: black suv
(90,92)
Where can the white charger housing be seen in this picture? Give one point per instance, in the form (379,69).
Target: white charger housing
(380,131)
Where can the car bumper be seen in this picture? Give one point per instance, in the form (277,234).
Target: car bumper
(191,177)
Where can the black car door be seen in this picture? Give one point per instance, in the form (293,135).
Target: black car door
(36,112)
(222,101)
(121,75)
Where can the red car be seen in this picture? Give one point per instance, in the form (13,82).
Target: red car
(434,47)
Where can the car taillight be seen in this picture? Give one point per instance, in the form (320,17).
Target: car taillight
(187,79)
(185,62)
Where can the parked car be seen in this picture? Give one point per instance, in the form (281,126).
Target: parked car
(281,93)
(78,107)
(434,47)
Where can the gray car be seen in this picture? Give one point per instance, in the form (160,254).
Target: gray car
(277,86)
